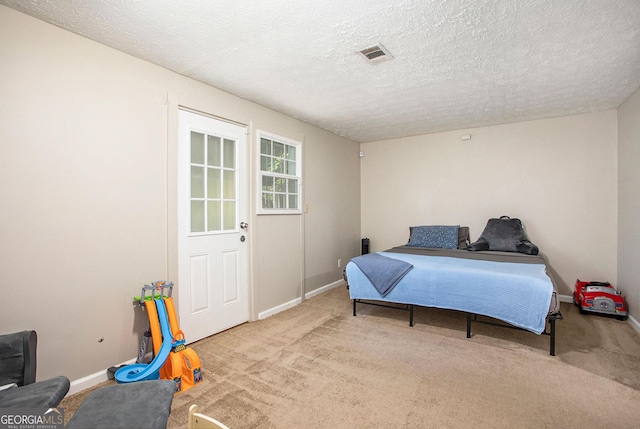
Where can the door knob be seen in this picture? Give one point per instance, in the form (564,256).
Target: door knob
(244,225)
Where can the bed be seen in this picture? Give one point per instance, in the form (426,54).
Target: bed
(510,287)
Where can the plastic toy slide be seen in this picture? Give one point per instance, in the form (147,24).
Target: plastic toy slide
(151,371)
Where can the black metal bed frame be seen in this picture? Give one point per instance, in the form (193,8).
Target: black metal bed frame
(472,317)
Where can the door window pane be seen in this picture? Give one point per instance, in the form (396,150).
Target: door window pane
(229,215)
(214,216)
(213,151)
(197,216)
(197,182)
(229,153)
(214,183)
(197,148)
(229,184)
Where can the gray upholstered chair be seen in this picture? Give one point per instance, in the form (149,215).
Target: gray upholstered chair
(18,375)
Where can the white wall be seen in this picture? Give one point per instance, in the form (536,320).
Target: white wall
(88,144)
(557,175)
(629,202)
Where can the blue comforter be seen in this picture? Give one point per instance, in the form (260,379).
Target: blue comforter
(516,293)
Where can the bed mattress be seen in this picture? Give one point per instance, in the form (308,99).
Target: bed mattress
(512,287)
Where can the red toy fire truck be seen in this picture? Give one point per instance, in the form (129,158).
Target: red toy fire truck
(599,297)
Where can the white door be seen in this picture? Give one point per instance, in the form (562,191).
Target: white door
(212,213)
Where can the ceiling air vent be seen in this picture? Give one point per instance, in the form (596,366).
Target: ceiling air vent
(376,54)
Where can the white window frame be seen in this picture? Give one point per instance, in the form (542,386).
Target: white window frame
(298,176)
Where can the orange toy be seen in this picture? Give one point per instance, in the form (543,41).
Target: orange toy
(183,364)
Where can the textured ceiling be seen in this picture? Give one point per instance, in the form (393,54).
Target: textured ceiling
(458,63)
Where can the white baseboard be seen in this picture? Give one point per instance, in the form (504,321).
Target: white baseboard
(279,308)
(633,322)
(323,289)
(99,377)
(566,298)
(294,302)
(92,380)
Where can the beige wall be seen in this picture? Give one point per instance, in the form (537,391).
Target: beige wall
(557,175)
(629,202)
(333,219)
(88,147)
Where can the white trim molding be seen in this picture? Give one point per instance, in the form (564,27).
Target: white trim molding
(323,289)
(279,308)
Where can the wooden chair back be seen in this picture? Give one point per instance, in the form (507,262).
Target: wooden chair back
(201,421)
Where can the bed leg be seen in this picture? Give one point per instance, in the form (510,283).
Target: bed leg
(552,338)
(468,325)
(354,307)
(410,314)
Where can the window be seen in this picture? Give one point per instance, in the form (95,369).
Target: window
(280,175)
(213,183)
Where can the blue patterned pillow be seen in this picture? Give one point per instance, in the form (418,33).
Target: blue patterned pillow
(440,236)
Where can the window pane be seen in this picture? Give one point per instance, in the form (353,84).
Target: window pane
(280,201)
(265,146)
(197,148)
(229,215)
(265,163)
(281,185)
(197,182)
(213,151)
(292,186)
(214,216)
(229,184)
(278,165)
(291,168)
(267,183)
(291,152)
(293,201)
(278,150)
(229,153)
(197,216)
(214,183)
(267,200)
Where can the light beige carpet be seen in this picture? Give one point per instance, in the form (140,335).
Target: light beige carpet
(317,366)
